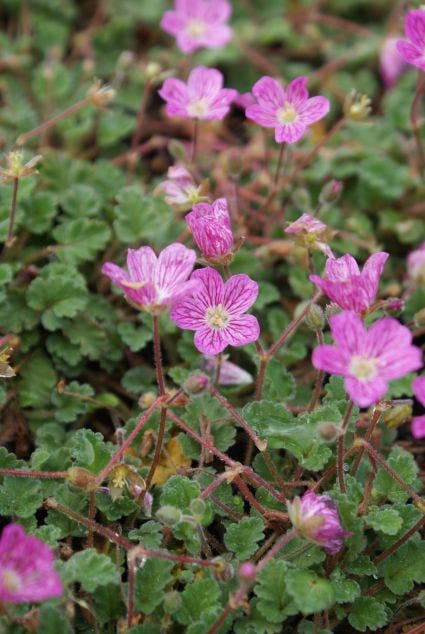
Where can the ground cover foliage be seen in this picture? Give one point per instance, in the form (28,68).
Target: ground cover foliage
(149,550)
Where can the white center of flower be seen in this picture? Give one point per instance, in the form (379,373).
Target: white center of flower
(217,317)
(11,581)
(198,107)
(287,114)
(362,368)
(196,28)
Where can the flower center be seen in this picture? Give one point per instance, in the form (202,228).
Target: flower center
(11,581)
(196,28)
(198,107)
(217,317)
(362,368)
(287,114)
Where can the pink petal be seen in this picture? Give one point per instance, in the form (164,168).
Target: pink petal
(172,23)
(189,8)
(212,289)
(296,92)
(316,108)
(350,294)
(348,332)
(374,266)
(418,427)
(217,36)
(240,292)
(204,82)
(210,341)
(242,330)
(188,314)
(114,272)
(418,386)
(269,93)
(220,105)
(183,290)
(365,393)
(217,11)
(411,54)
(330,359)
(290,132)
(415,27)
(186,44)
(389,341)
(341,269)
(141,264)
(264,116)
(175,93)
(175,264)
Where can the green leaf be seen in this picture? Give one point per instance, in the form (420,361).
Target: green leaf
(404,567)
(403,463)
(40,211)
(55,297)
(114,126)
(135,338)
(81,200)
(108,604)
(368,614)
(90,569)
(37,381)
(53,620)
(274,601)
(150,582)
(346,590)
(179,491)
(197,598)
(80,240)
(67,407)
(141,217)
(279,384)
(20,496)
(384,519)
(89,450)
(242,538)
(310,592)
(15,314)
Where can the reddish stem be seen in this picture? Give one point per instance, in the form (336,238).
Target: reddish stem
(34,474)
(340,447)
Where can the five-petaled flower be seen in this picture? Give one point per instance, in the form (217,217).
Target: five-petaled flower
(153,283)
(26,568)
(418,422)
(367,358)
(216,311)
(180,189)
(412,50)
(345,285)
(198,24)
(289,111)
(311,233)
(203,97)
(316,518)
(212,230)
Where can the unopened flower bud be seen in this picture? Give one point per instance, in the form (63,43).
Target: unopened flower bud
(315,318)
(169,515)
(177,150)
(331,310)
(356,106)
(81,478)
(301,198)
(152,70)
(394,306)
(197,508)
(328,432)
(247,572)
(330,192)
(196,383)
(397,415)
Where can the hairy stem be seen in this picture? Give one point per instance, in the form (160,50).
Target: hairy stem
(340,448)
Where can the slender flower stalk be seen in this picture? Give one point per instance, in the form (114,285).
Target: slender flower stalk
(21,473)
(340,447)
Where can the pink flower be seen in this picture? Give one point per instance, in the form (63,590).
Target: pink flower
(412,50)
(418,422)
(230,373)
(416,264)
(310,233)
(203,97)
(391,64)
(211,229)
(346,286)
(26,568)
(181,191)
(288,111)
(153,283)
(367,358)
(316,518)
(216,311)
(198,24)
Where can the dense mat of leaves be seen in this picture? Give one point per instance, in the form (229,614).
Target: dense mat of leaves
(170,557)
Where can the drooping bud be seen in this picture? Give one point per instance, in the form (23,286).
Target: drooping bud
(330,192)
(82,478)
(315,318)
(196,383)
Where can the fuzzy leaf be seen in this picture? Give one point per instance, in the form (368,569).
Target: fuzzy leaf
(197,598)
(37,381)
(384,519)
(274,601)
(242,538)
(150,582)
(91,569)
(80,240)
(367,614)
(55,297)
(310,592)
